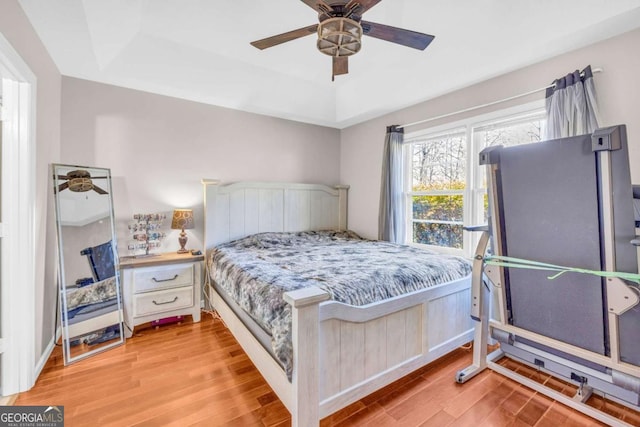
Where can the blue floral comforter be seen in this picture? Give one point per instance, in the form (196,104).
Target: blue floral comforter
(257,270)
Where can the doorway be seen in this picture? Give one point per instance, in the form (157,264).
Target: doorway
(17,217)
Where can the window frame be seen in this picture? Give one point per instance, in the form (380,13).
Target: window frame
(474,190)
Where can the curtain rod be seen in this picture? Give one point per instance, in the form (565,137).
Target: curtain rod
(489,104)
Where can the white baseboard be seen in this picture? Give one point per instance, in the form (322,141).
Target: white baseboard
(8,400)
(43,359)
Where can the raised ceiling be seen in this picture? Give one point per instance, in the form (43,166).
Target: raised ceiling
(199,49)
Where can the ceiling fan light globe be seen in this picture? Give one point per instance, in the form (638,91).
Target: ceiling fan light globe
(339,37)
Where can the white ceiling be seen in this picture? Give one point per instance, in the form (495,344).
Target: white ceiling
(199,49)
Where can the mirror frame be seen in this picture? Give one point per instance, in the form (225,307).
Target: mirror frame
(56,170)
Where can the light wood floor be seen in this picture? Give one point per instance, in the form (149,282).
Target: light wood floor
(197,374)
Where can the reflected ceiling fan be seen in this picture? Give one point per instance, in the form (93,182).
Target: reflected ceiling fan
(80,181)
(340,31)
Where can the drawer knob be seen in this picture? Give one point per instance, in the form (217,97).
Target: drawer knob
(166,302)
(164,280)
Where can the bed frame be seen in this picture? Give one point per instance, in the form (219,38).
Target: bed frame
(341,353)
(94,324)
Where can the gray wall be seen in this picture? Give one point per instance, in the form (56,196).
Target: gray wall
(159,148)
(15,27)
(619,99)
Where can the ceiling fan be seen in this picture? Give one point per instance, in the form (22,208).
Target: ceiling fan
(340,31)
(80,181)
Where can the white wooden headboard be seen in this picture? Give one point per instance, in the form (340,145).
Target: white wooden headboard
(236,210)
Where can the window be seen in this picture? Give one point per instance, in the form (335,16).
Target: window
(445,187)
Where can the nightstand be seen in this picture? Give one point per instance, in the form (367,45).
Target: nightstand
(160,286)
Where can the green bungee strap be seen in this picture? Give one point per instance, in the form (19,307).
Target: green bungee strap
(510,262)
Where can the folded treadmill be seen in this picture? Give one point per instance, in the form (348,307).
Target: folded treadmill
(555,278)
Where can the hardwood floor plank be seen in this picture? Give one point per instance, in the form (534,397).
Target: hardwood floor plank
(552,418)
(484,407)
(433,398)
(245,420)
(363,417)
(632,417)
(517,400)
(560,386)
(273,414)
(218,412)
(222,407)
(198,375)
(473,393)
(342,414)
(498,417)
(440,419)
(534,409)
(399,394)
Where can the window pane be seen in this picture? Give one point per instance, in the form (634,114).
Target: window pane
(439,163)
(518,133)
(439,208)
(513,134)
(449,235)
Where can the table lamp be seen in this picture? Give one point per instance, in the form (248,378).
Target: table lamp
(182,220)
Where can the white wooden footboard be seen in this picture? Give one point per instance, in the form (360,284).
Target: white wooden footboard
(362,350)
(355,351)
(343,353)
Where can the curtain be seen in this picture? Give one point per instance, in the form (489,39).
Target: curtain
(571,105)
(391,219)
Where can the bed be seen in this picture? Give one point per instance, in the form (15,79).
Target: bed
(339,352)
(92,308)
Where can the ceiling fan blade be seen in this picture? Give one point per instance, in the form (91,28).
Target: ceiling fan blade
(99,190)
(63,186)
(99,177)
(363,5)
(285,37)
(397,35)
(340,66)
(63,177)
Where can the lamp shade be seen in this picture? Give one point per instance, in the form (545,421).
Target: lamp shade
(182,219)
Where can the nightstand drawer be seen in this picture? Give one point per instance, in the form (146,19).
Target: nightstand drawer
(161,277)
(161,301)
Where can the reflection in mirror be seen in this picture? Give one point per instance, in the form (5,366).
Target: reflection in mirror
(90,301)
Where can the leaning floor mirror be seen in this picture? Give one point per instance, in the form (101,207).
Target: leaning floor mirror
(90,300)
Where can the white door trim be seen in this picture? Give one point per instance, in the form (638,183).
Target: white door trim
(17,252)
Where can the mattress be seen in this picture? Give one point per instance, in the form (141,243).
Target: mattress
(104,290)
(257,270)
(263,337)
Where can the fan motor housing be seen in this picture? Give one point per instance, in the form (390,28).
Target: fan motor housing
(339,36)
(80,185)
(80,181)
